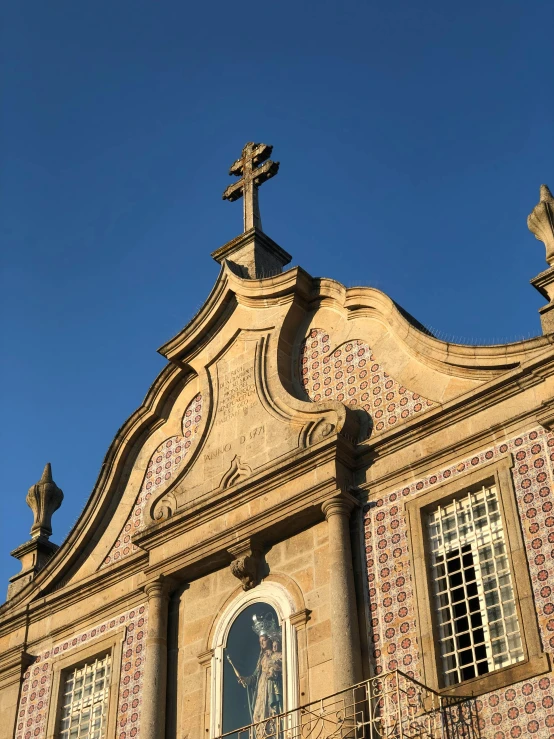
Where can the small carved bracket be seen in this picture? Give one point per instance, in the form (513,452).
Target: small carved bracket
(205,658)
(248,563)
(300,618)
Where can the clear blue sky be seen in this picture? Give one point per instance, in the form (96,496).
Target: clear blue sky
(413,137)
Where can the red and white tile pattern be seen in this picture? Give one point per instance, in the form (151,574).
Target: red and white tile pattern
(525,708)
(164,464)
(37,680)
(352,375)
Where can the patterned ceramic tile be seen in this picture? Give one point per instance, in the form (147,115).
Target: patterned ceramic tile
(352,375)
(164,464)
(525,708)
(35,690)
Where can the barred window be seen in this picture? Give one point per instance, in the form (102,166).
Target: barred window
(478,629)
(85,701)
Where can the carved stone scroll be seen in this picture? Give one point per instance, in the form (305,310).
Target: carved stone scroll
(247,565)
(541,222)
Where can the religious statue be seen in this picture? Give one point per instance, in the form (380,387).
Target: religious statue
(265,685)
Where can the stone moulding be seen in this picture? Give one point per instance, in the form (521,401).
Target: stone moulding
(291,515)
(545,415)
(237,472)
(13,664)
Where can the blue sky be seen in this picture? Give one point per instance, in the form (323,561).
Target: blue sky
(413,138)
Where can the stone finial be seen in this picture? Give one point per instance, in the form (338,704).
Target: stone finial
(43,499)
(541,222)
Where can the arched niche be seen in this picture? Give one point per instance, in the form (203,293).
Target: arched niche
(235,636)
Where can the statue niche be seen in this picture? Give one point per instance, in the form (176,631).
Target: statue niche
(253,671)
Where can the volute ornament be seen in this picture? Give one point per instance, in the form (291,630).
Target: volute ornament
(541,222)
(43,499)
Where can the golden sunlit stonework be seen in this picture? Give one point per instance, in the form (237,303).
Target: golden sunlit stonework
(323,521)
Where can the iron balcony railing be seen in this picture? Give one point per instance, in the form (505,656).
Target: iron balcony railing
(390,706)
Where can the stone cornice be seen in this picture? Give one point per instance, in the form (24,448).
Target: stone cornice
(468,361)
(545,415)
(447,455)
(434,420)
(21,656)
(13,664)
(14,620)
(231,247)
(334,449)
(67,595)
(113,608)
(205,658)
(228,290)
(300,618)
(269,526)
(543,281)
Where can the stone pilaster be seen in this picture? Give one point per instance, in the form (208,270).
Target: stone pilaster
(155,671)
(347,662)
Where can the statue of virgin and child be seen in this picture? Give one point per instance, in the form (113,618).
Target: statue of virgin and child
(264,686)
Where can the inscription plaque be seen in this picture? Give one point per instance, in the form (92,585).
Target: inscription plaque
(237,392)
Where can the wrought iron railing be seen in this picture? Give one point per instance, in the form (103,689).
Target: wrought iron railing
(390,706)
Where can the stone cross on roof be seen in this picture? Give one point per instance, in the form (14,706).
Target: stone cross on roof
(253,175)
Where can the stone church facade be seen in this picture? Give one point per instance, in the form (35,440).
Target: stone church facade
(322,521)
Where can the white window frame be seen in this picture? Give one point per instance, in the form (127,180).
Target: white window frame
(536,662)
(277,597)
(70,706)
(489,534)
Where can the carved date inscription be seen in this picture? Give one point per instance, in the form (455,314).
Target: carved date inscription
(237,392)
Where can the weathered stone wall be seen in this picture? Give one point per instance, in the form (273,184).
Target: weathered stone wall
(300,565)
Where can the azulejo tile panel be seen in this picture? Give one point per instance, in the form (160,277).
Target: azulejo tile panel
(164,464)
(352,375)
(37,680)
(523,709)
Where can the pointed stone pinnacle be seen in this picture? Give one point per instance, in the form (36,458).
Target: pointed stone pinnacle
(545,194)
(47,473)
(43,499)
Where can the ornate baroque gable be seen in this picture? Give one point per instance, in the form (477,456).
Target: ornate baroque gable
(223,524)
